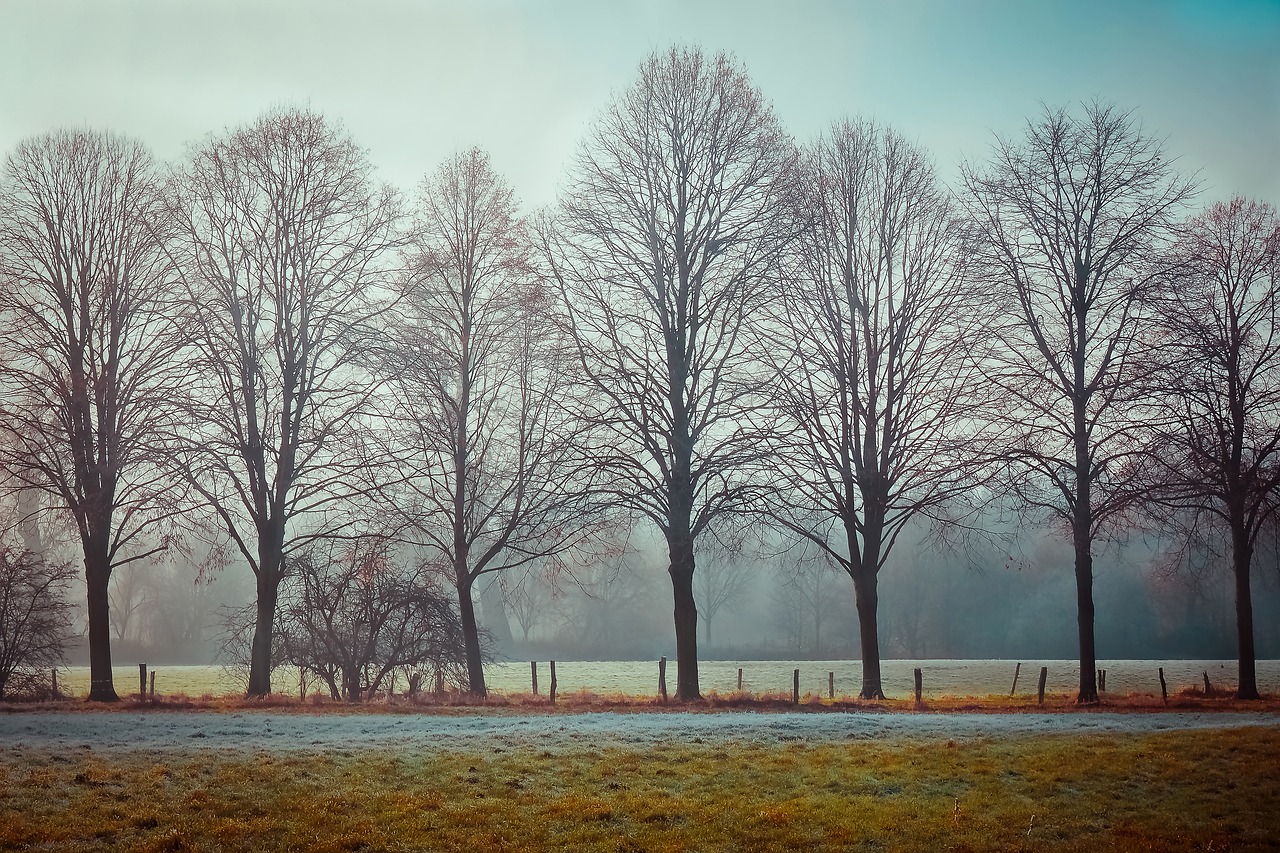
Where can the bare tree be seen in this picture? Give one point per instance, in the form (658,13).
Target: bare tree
(184,606)
(1217,452)
(804,598)
(129,594)
(352,616)
(529,599)
(607,610)
(877,381)
(487,475)
(285,237)
(86,350)
(35,615)
(724,578)
(493,609)
(1069,218)
(663,251)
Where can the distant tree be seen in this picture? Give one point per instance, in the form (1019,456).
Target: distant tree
(529,599)
(353,617)
(284,238)
(183,607)
(130,594)
(804,598)
(723,582)
(486,468)
(663,250)
(878,383)
(1069,220)
(608,609)
(35,615)
(1216,457)
(87,351)
(493,607)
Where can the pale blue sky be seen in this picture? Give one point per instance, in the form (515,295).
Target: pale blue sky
(413,81)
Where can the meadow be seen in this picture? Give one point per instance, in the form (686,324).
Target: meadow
(530,776)
(942,678)
(1162,791)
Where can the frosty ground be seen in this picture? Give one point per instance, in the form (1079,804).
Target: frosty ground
(285,732)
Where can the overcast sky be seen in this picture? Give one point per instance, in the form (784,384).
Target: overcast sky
(415,80)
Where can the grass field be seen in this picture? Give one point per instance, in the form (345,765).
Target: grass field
(1187,699)
(1165,791)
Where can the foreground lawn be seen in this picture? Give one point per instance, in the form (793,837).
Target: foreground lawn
(1169,791)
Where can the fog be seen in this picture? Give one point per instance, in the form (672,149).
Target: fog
(936,601)
(536,84)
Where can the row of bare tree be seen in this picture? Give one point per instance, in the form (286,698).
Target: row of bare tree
(713,329)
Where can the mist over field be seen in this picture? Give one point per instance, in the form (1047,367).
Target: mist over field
(639,425)
(705,346)
(933,605)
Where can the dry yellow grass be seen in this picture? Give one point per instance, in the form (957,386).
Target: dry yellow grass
(576,702)
(1168,791)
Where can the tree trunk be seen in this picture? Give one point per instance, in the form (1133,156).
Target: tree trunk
(866,598)
(351,682)
(470,636)
(1084,618)
(686,617)
(264,626)
(97,577)
(1241,558)
(1082,513)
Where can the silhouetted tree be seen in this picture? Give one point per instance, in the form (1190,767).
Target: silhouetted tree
(529,599)
(35,615)
(722,583)
(1069,218)
(877,384)
(1216,457)
(87,347)
(352,616)
(285,237)
(128,595)
(486,467)
(804,602)
(663,250)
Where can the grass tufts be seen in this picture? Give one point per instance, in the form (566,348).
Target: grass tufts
(1163,791)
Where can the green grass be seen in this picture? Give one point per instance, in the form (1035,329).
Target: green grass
(1169,791)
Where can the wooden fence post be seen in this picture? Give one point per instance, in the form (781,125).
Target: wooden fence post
(919,684)
(662,677)
(553,682)
(533,670)
(831,685)
(1208,688)
(1044,676)
(1164,688)
(142,681)
(739,679)
(1017,670)
(153,685)
(795,687)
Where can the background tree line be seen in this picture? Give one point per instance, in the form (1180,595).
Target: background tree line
(261,355)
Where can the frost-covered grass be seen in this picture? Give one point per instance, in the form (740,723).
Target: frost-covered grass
(1156,791)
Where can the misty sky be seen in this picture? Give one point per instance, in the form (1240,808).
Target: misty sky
(414,81)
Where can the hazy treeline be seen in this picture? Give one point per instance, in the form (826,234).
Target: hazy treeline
(844,408)
(932,605)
